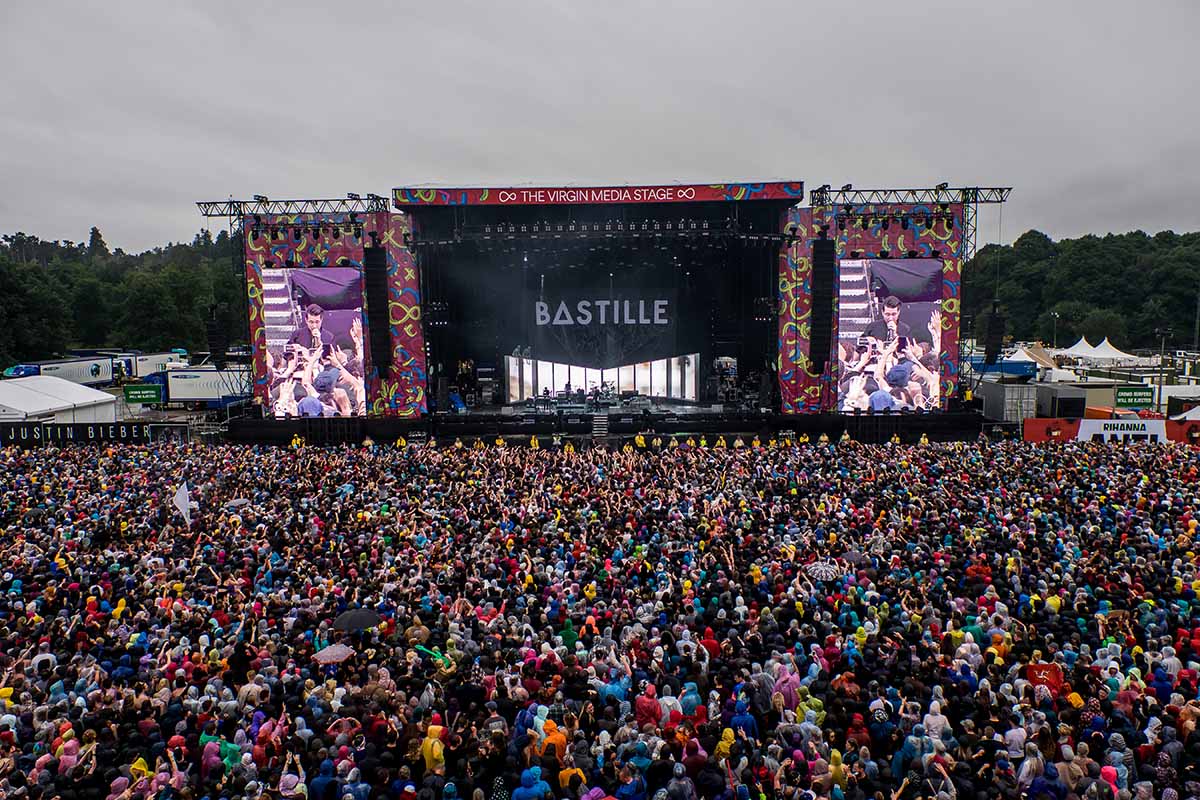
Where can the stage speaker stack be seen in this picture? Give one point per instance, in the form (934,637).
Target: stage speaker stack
(824,274)
(993,340)
(375,281)
(218,341)
(442,396)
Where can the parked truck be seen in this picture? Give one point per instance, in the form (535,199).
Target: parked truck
(204,387)
(1108,412)
(143,364)
(89,371)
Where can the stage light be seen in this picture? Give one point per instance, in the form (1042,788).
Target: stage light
(316,262)
(848,209)
(296,234)
(353,196)
(315,232)
(257,219)
(912,254)
(254,234)
(862,222)
(936,254)
(289,263)
(904,223)
(358,232)
(885,223)
(847,188)
(942,186)
(885,253)
(841,224)
(337,234)
(925,220)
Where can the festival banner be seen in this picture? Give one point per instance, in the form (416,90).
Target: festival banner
(1112,431)
(33,434)
(404,197)
(1122,430)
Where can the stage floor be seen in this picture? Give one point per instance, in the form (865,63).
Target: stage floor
(677,408)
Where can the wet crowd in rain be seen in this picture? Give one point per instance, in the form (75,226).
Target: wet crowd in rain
(833,621)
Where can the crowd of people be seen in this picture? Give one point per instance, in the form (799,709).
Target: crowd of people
(801,622)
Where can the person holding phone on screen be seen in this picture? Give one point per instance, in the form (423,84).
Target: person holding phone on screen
(312,336)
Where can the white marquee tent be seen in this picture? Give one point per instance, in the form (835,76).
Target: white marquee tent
(45,398)
(1081,349)
(1105,352)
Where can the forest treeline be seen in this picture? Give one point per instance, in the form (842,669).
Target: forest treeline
(60,295)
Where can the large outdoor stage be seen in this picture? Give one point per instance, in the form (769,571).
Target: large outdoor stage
(607,311)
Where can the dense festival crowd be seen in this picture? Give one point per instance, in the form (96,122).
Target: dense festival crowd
(832,621)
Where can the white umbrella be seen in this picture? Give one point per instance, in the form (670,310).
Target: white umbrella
(823,571)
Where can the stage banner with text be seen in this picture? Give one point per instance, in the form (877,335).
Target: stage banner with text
(35,434)
(1122,430)
(404,197)
(1113,431)
(603,329)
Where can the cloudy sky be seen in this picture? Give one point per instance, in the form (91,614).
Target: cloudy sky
(123,114)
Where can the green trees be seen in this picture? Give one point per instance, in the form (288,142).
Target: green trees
(1123,286)
(59,295)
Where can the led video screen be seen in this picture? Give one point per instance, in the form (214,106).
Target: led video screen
(889,335)
(315,358)
(605,327)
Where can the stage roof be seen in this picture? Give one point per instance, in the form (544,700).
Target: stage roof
(407,197)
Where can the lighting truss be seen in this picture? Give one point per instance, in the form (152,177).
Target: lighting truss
(234,211)
(371,204)
(611,229)
(971,197)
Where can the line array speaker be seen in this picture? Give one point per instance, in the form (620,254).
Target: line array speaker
(824,274)
(375,281)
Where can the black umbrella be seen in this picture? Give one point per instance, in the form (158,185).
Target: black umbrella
(356,619)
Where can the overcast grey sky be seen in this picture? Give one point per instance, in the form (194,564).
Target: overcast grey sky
(123,114)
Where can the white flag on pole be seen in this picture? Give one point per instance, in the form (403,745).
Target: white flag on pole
(183,504)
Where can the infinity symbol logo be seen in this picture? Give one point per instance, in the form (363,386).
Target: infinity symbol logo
(507,197)
(687,193)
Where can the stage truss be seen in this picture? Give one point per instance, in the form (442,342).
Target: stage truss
(942,196)
(235,211)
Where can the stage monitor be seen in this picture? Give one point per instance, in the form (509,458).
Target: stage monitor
(889,335)
(315,359)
